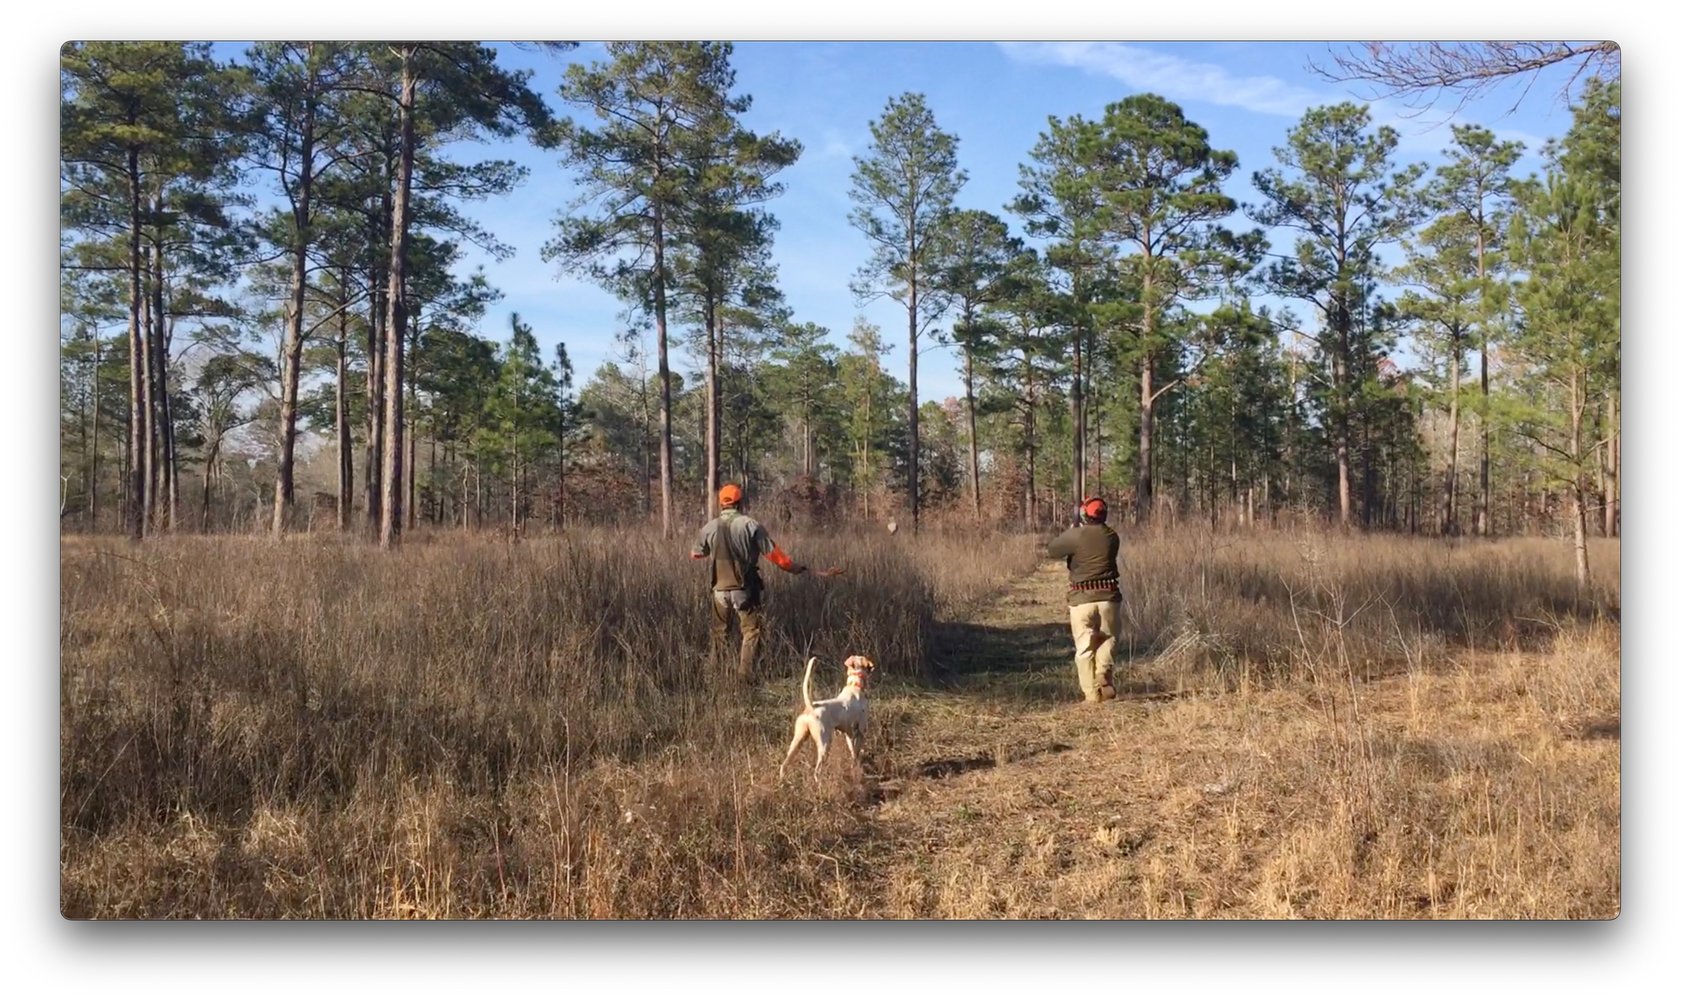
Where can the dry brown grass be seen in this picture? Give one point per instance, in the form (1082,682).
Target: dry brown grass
(319,729)
(472,729)
(1297,601)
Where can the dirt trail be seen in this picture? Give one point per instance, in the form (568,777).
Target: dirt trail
(999,792)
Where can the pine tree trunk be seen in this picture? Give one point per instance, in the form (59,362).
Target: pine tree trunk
(714,409)
(1097,445)
(1076,415)
(1288,496)
(391,507)
(1145,498)
(1612,447)
(1032,487)
(93,449)
(1578,491)
(466,505)
(915,484)
(1340,379)
(373,457)
(291,357)
(378,302)
(164,418)
(1485,526)
(969,408)
(155,478)
(123,485)
(647,448)
(84,451)
(1030,428)
(1231,427)
(341,405)
(1450,488)
(139,399)
(148,387)
(413,433)
(664,369)
(869,431)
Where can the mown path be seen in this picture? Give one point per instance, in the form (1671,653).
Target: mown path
(999,792)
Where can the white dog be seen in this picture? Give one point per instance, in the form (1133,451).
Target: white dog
(847,713)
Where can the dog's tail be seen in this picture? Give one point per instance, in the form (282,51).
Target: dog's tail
(805,686)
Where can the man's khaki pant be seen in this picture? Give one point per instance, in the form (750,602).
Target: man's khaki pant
(728,604)
(1094,645)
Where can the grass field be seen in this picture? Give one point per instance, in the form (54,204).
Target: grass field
(1311,725)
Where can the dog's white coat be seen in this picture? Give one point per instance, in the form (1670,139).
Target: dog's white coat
(847,713)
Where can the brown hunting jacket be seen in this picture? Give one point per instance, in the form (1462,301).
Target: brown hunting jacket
(1090,551)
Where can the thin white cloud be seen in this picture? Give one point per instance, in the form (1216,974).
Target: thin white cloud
(1185,80)
(1172,77)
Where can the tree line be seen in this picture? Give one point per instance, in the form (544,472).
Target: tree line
(267,246)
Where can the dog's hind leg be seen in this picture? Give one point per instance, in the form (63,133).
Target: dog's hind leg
(800,732)
(821,738)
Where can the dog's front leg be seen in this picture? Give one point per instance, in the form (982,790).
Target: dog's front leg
(855,744)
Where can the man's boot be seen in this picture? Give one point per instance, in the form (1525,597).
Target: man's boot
(1105,688)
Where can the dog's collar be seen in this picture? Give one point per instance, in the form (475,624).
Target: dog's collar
(855,677)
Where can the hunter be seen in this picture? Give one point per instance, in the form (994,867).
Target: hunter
(734,542)
(1094,595)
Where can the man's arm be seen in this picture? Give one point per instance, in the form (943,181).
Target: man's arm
(1062,546)
(774,553)
(703,544)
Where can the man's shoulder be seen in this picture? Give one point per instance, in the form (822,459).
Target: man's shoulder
(1092,534)
(743,523)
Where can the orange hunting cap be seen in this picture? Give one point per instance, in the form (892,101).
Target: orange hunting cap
(729,495)
(1095,509)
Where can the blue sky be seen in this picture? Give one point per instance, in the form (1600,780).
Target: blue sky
(995,97)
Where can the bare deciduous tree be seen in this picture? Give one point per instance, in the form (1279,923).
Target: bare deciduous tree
(1422,73)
